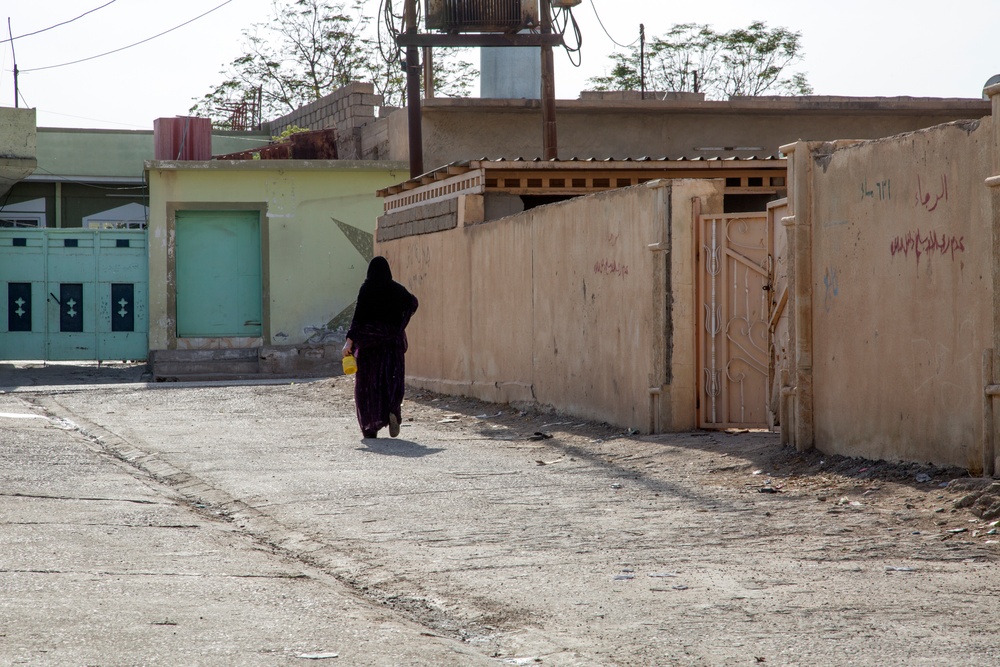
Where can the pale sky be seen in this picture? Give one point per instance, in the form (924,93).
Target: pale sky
(851,47)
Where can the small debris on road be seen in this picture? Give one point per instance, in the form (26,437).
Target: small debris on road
(548,463)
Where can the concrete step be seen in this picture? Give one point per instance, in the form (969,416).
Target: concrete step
(207,367)
(221,354)
(272,361)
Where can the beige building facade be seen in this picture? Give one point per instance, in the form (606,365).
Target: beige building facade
(605,125)
(616,125)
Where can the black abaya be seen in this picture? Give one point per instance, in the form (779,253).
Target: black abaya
(378,333)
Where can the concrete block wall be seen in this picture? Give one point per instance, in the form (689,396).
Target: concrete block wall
(348,109)
(375,140)
(435,217)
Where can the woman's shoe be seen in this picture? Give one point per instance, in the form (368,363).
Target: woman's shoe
(370,434)
(393,425)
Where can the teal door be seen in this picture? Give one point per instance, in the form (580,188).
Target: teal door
(218,274)
(73,294)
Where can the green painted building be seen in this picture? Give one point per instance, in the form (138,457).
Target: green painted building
(94,178)
(255,253)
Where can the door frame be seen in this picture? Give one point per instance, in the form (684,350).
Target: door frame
(715,264)
(172,208)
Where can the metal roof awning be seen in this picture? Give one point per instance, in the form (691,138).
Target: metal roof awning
(576,177)
(580,176)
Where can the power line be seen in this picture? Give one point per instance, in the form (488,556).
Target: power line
(11,39)
(624,46)
(108,53)
(99,120)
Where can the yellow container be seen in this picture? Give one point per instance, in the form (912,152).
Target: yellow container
(350,365)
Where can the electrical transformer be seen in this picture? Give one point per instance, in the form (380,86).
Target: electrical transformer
(455,16)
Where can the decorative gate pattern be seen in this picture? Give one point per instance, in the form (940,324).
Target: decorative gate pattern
(734,292)
(73,294)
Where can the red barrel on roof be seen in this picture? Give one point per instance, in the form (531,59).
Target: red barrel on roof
(183,138)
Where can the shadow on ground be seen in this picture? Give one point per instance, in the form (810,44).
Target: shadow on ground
(738,449)
(65,373)
(397,447)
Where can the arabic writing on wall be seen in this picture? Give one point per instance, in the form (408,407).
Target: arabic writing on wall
(610,267)
(931,243)
(926,199)
(883,189)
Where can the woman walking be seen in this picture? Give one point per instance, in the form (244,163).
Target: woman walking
(377,338)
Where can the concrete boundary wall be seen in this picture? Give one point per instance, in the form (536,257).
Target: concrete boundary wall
(891,294)
(585,305)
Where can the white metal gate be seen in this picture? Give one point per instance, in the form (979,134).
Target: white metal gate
(734,290)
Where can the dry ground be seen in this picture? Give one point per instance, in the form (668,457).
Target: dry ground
(537,538)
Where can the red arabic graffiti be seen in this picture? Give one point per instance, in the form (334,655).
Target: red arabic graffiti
(610,267)
(924,198)
(923,244)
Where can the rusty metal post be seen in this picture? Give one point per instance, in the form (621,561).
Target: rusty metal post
(550,148)
(413,94)
(428,73)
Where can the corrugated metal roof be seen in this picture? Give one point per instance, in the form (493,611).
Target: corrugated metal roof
(574,164)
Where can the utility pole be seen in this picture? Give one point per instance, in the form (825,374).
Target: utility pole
(550,149)
(14,58)
(413,92)
(412,41)
(642,58)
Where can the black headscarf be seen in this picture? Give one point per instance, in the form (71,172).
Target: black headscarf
(381,300)
(379,271)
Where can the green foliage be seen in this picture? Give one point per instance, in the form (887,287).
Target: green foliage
(693,57)
(289,131)
(309,49)
(453,76)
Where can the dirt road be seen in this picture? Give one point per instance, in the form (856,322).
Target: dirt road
(589,547)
